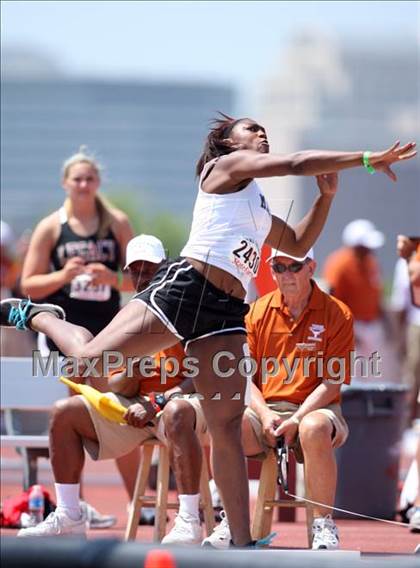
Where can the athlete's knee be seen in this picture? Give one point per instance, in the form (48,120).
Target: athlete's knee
(66,412)
(82,336)
(179,417)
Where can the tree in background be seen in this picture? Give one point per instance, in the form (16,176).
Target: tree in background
(171,230)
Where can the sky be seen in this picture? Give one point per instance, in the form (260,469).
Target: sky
(237,41)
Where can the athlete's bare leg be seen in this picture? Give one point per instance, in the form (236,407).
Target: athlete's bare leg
(134,332)
(223,407)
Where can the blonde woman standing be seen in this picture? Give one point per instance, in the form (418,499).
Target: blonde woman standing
(75,253)
(74,260)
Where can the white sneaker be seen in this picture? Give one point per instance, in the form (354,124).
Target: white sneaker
(324,534)
(414,516)
(94,518)
(57,524)
(220,537)
(184,531)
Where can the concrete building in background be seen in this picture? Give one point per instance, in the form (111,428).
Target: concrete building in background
(325,95)
(147,134)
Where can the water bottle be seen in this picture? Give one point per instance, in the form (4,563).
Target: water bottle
(36,505)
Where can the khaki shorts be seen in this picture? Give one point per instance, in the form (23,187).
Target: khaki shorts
(285,410)
(116,440)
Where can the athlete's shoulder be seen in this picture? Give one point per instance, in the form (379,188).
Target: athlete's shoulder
(49,226)
(119,216)
(234,158)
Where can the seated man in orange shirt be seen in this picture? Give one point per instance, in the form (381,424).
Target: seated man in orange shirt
(294,398)
(76,425)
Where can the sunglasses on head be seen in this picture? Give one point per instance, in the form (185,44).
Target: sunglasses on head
(281,268)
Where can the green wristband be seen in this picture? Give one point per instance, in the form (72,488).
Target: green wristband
(119,278)
(366,162)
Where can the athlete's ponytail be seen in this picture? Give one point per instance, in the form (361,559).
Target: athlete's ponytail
(216,143)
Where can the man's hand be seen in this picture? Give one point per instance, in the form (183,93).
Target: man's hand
(289,430)
(139,414)
(382,161)
(328,184)
(270,421)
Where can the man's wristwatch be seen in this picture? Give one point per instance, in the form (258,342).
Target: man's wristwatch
(160,400)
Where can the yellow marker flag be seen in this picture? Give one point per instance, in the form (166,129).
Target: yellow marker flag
(108,408)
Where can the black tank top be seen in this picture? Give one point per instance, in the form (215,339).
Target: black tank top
(84,304)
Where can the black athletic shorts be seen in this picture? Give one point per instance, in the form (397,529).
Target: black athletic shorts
(190,306)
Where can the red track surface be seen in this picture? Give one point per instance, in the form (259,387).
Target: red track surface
(366,536)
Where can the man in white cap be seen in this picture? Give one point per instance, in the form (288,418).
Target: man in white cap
(293,334)
(354,277)
(144,255)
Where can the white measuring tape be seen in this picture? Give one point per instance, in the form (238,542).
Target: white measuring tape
(345,511)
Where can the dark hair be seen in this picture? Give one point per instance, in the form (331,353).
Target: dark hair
(215,144)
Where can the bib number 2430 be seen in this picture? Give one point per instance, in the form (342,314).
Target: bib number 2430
(247,257)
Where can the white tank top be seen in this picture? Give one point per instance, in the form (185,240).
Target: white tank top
(228,230)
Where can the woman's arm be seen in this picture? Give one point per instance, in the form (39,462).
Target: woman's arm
(246,164)
(124,234)
(37,280)
(299,240)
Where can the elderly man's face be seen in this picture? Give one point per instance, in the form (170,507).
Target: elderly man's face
(142,272)
(292,277)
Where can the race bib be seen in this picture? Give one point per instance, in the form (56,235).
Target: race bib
(246,257)
(81,288)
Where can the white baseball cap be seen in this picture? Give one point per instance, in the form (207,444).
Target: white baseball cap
(276,252)
(145,247)
(362,232)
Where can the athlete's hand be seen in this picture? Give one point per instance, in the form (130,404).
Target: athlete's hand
(139,414)
(101,274)
(73,267)
(328,184)
(382,161)
(270,421)
(289,430)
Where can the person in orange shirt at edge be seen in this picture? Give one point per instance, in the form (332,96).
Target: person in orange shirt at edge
(295,322)
(353,276)
(76,425)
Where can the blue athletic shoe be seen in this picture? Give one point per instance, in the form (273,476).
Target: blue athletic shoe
(15,312)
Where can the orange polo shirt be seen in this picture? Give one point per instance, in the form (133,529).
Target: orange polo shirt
(356,282)
(323,330)
(155,383)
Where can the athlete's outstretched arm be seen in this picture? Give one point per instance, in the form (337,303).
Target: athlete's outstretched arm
(298,240)
(246,164)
